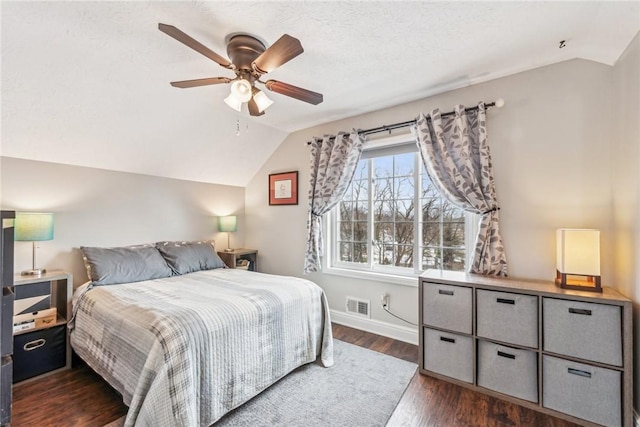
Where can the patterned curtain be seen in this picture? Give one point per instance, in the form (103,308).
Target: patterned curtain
(456,155)
(333,163)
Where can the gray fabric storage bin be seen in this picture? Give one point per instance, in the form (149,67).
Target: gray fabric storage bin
(508,370)
(584,391)
(584,330)
(447,307)
(506,317)
(448,354)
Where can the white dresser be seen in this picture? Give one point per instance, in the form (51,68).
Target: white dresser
(562,352)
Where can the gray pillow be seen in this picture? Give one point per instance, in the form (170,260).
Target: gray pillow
(111,266)
(187,257)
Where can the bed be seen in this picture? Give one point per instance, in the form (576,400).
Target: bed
(184,350)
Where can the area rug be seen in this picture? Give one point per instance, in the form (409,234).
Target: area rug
(362,388)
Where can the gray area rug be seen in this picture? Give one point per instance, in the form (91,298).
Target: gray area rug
(362,388)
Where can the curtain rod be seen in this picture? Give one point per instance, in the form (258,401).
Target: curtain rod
(388,128)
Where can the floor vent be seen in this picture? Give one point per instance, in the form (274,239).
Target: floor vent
(359,307)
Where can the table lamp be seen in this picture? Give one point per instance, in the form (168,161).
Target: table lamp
(578,254)
(228,224)
(33,227)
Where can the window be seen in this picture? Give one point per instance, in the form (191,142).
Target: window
(392,219)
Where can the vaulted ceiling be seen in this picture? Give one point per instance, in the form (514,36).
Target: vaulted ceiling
(87,83)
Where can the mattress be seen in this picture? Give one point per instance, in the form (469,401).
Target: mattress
(185,350)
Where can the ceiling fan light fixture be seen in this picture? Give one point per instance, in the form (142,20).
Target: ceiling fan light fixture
(262,100)
(242,90)
(233,102)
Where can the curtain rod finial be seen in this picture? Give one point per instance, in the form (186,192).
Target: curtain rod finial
(500,103)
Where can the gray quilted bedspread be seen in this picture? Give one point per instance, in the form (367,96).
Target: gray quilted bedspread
(185,350)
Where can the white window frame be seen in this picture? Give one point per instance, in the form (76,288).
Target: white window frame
(388,274)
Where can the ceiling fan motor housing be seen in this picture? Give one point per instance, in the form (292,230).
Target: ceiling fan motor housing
(243,49)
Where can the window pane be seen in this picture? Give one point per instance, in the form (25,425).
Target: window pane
(404,210)
(346,230)
(403,164)
(378,253)
(360,231)
(383,166)
(403,187)
(428,189)
(453,259)
(386,255)
(451,212)
(453,234)
(346,211)
(345,252)
(383,232)
(362,170)
(361,212)
(404,256)
(360,253)
(404,233)
(431,234)
(383,188)
(383,211)
(360,190)
(430,258)
(431,209)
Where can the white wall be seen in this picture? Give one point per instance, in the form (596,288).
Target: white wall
(94,207)
(626,186)
(551,148)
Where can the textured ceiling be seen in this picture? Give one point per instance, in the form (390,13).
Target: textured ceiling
(87,83)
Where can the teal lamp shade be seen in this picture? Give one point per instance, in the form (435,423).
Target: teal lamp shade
(228,224)
(33,227)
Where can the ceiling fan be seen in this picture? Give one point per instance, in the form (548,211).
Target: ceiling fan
(250,59)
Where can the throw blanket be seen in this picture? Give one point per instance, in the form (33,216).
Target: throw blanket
(185,350)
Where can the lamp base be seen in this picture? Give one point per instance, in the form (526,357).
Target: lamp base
(34,272)
(229,250)
(587,283)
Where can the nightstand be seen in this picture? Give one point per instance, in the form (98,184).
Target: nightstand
(235,258)
(42,348)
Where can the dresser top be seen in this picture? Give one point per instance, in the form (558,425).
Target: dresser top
(508,284)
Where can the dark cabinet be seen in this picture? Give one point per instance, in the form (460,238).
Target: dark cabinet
(6,314)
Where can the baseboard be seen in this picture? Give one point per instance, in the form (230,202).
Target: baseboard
(397,332)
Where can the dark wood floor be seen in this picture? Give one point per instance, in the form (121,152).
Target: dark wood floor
(79,397)
(429,402)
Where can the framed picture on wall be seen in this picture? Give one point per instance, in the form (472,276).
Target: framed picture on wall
(283,188)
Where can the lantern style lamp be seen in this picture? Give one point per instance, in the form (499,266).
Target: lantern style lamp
(33,227)
(228,224)
(578,259)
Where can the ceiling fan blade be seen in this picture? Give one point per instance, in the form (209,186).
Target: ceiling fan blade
(184,84)
(294,92)
(172,31)
(283,50)
(253,108)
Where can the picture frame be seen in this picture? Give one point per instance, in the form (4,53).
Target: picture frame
(283,188)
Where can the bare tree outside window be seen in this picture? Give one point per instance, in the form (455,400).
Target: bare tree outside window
(354,213)
(378,221)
